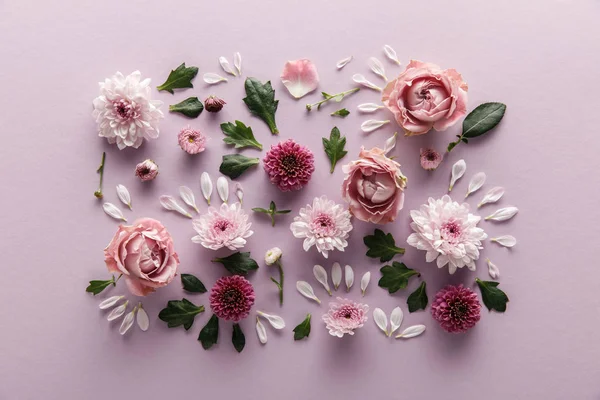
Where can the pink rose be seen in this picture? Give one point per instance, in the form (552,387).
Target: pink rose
(144,254)
(424,96)
(374,187)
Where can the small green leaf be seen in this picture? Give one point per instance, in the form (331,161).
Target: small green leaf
(272,211)
(452,145)
(192,284)
(179,78)
(260,99)
(334,147)
(234,165)
(326,95)
(395,277)
(238,339)
(261,210)
(238,263)
(341,113)
(209,335)
(493,298)
(418,299)
(482,119)
(382,246)
(279,212)
(96,287)
(190,107)
(180,312)
(239,135)
(303,329)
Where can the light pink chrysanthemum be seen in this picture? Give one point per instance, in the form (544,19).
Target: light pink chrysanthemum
(345,316)
(323,224)
(456,308)
(447,232)
(231,298)
(289,165)
(146,170)
(124,111)
(191,141)
(225,227)
(430,159)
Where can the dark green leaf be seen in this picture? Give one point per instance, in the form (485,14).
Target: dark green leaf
(260,99)
(239,135)
(452,145)
(418,299)
(395,277)
(483,118)
(493,298)
(303,329)
(234,165)
(192,284)
(209,335)
(238,339)
(238,263)
(190,107)
(382,246)
(96,287)
(283,212)
(334,147)
(179,79)
(341,113)
(180,312)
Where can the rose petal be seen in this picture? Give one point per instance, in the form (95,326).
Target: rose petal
(300,77)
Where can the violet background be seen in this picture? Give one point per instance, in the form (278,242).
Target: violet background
(539,57)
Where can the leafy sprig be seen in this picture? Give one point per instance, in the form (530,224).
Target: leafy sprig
(335,97)
(340,113)
(97,286)
(272,211)
(334,147)
(382,246)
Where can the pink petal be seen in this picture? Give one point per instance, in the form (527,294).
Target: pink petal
(300,77)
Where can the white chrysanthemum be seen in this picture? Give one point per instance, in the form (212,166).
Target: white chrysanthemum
(447,232)
(273,255)
(325,225)
(124,111)
(226,227)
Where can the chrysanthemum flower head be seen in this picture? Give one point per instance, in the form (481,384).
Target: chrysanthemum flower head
(191,141)
(344,316)
(456,308)
(289,165)
(146,170)
(231,298)
(430,159)
(227,226)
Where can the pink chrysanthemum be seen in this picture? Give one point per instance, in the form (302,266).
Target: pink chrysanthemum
(456,308)
(225,227)
(323,224)
(430,159)
(146,170)
(191,141)
(231,298)
(289,165)
(345,316)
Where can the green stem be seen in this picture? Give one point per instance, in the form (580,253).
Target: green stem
(280,282)
(341,95)
(100,170)
(272,214)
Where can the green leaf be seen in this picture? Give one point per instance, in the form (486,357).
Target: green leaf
(209,335)
(418,299)
(452,145)
(238,339)
(234,165)
(238,263)
(239,135)
(192,284)
(180,312)
(96,287)
(493,298)
(382,246)
(261,210)
(395,277)
(272,211)
(180,78)
(341,113)
(483,118)
(190,107)
(334,147)
(260,99)
(303,329)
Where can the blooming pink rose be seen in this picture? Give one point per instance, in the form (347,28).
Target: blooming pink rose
(144,254)
(374,187)
(424,96)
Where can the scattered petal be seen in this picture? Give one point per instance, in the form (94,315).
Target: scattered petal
(369,107)
(226,66)
(390,143)
(223,188)
(492,196)
(458,170)
(381,320)
(505,240)
(360,79)
(124,196)
(276,321)
(503,214)
(349,275)
(127,322)
(307,291)
(411,332)
(206,186)
(142,318)
(492,269)
(395,319)
(300,77)
(377,67)
(321,276)
(169,203)
(336,275)
(372,124)
(364,282)
(391,53)
(342,63)
(113,211)
(476,183)
(212,78)
(239,192)
(187,196)
(110,302)
(237,61)
(261,331)
(117,312)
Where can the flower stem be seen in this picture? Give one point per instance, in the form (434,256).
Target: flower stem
(280,282)
(100,170)
(329,97)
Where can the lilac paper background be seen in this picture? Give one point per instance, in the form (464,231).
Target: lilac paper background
(540,57)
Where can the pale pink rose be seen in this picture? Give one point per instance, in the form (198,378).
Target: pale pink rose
(144,254)
(424,96)
(374,187)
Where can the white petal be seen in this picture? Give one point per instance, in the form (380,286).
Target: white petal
(360,79)
(411,332)
(381,320)
(187,196)
(377,67)
(372,124)
(321,276)
(206,186)
(124,196)
(237,61)
(142,318)
(239,192)
(127,322)
(369,107)
(223,188)
(391,53)
(342,63)
(505,240)
(113,211)
(226,66)
(396,319)
(458,170)
(492,196)
(110,302)
(117,312)
(492,269)
(212,78)
(349,275)
(336,275)
(261,331)
(307,291)
(276,321)
(169,203)
(364,282)
(503,214)
(476,183)
(390,143)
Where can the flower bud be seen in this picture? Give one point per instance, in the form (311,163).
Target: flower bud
(272,256)
(214,104)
